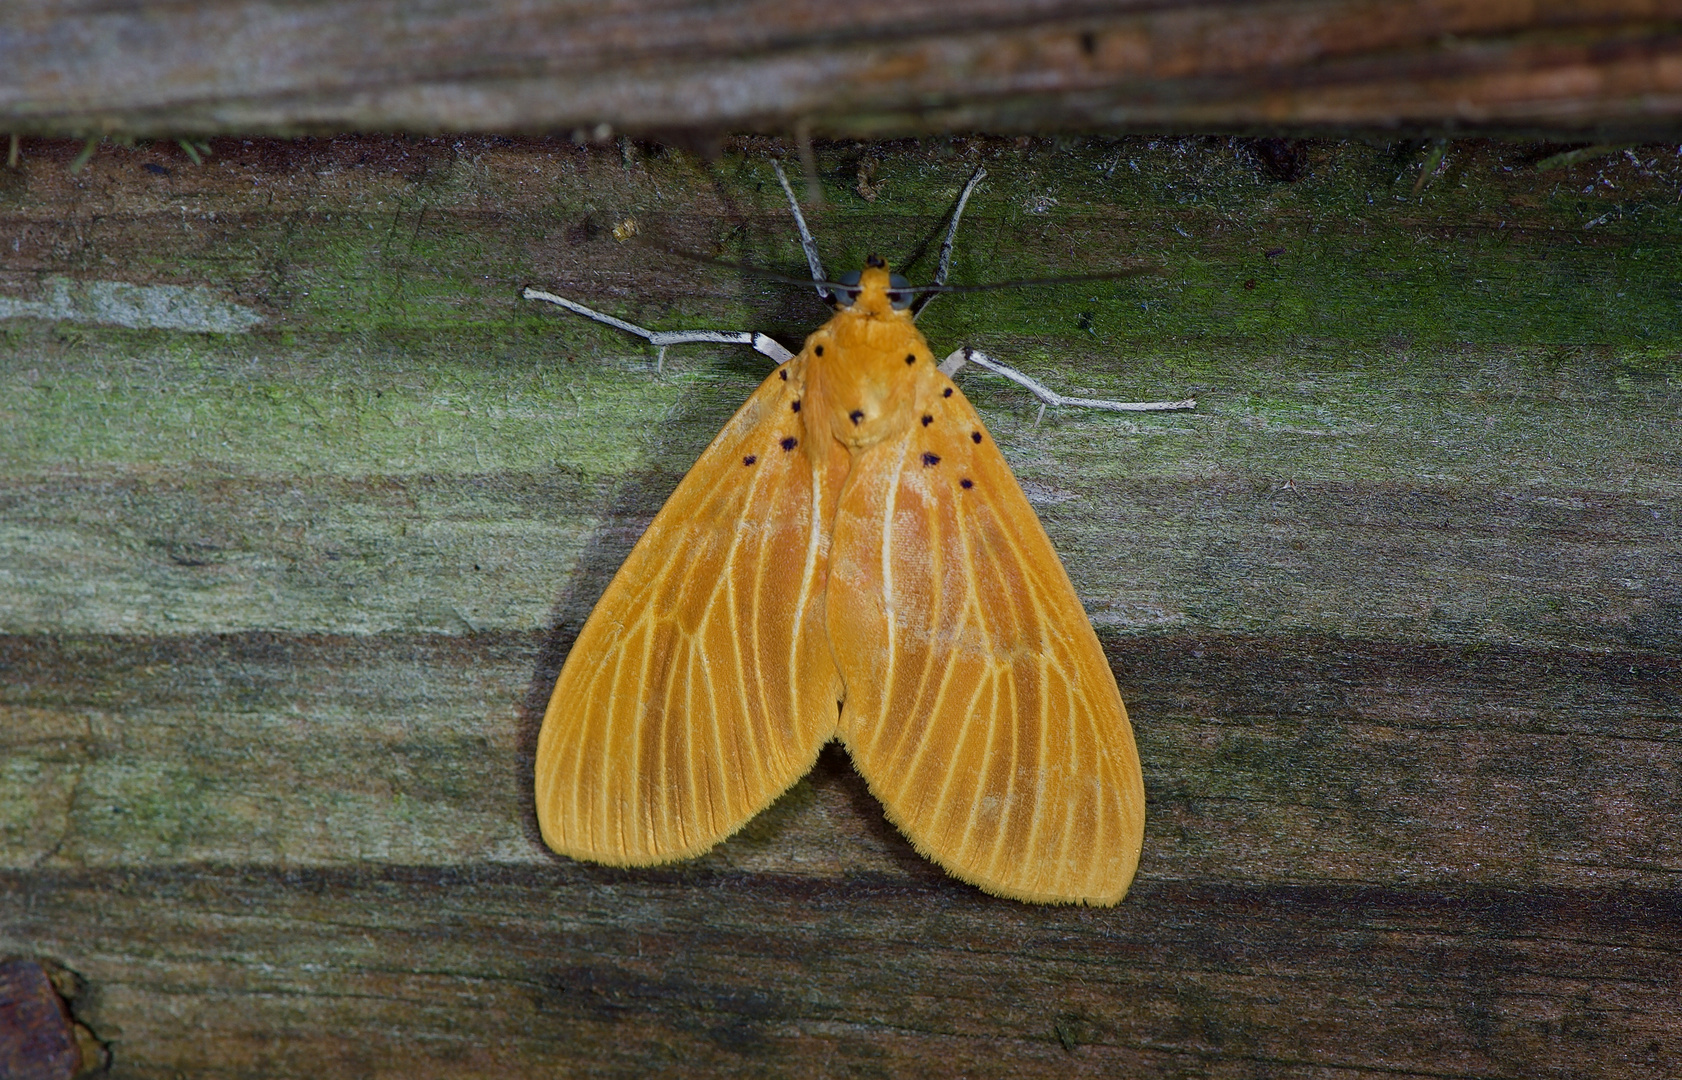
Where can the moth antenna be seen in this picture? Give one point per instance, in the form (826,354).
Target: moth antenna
(806,240)
(955,362)
(923,301)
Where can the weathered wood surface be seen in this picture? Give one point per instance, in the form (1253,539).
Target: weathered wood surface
(863,68)
(1396,611)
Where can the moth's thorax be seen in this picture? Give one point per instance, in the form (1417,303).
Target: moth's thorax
(867,367)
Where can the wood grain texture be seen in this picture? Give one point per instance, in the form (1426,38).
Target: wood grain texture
(869,68)
(1395,612)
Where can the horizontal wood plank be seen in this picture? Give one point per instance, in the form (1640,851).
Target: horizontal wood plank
(869,69)
(699,972)
(1283,758)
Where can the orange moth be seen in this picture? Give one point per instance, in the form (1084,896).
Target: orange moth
(849,559)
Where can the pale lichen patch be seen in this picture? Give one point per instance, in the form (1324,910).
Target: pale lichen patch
(121,303)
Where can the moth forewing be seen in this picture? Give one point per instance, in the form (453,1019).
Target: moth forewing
(979,704)
(701,686)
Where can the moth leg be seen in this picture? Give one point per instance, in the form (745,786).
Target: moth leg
(806,241)
(661,339)
(923,301)
(966,355)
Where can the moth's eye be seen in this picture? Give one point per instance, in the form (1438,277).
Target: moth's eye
(899,294)
(845,296)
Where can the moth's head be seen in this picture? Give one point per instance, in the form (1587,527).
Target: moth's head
(873,289)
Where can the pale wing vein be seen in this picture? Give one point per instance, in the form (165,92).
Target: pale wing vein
(888,505)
